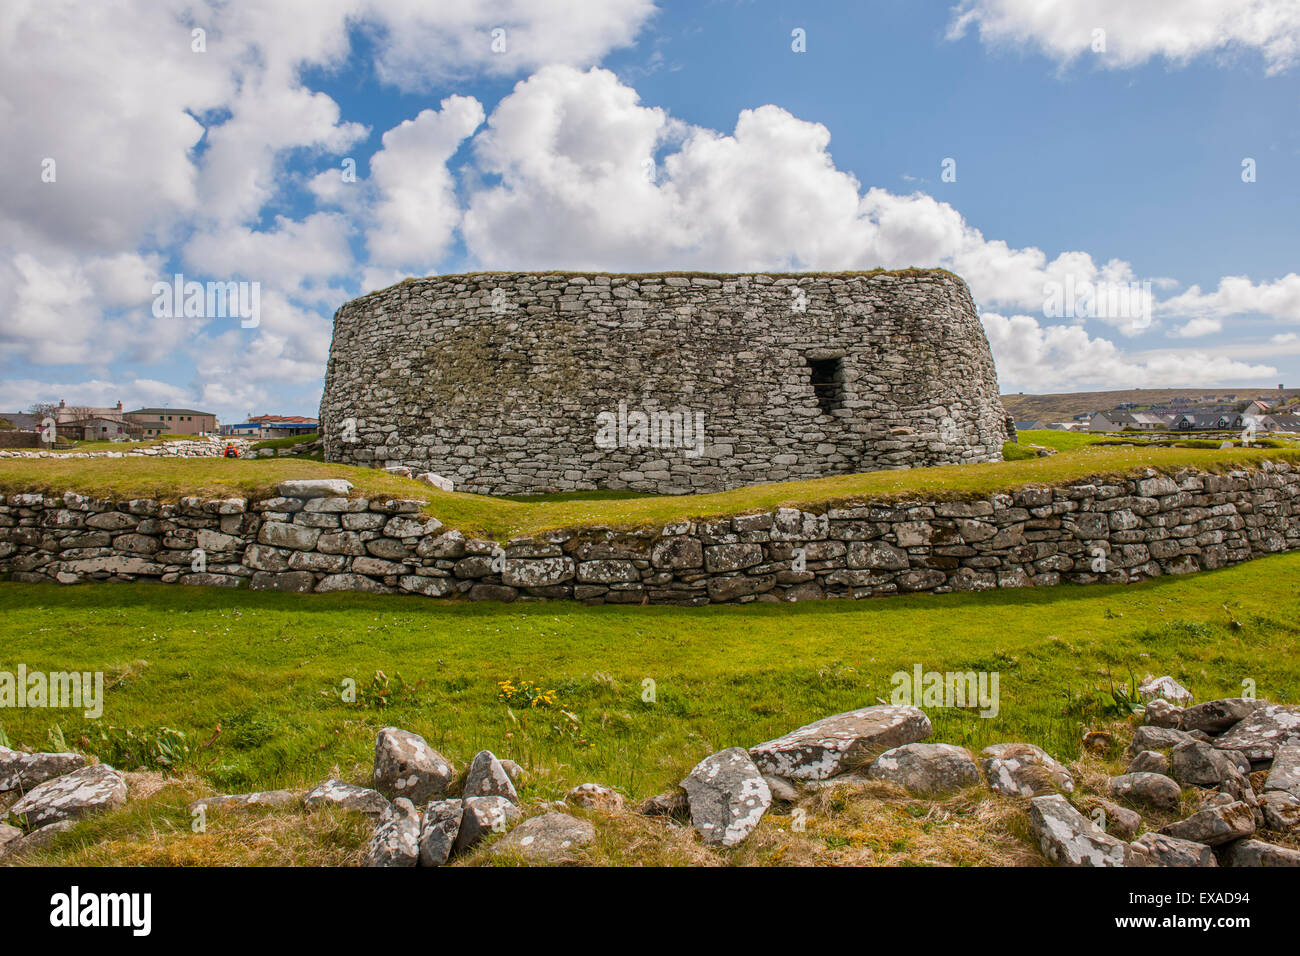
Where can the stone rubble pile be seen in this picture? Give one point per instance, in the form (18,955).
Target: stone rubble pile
(424,817)
(1237,759)
(726,794)
(1235,762)
(54,791)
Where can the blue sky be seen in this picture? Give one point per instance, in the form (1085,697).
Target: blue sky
(630,135)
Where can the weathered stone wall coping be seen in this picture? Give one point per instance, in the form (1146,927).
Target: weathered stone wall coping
(318,539)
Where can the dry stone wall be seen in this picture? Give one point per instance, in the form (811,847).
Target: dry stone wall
(180,448)
(511,383)
(314,538)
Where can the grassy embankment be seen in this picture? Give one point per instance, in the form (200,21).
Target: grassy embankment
(500,517)
(287,442)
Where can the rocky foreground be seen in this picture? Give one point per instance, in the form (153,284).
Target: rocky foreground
(1224,773)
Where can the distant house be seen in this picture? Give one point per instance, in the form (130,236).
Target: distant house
(1256,407)
(66,413)
(1192,422)
(173,421)
(1280,423)
(1030,426)
(272,426)
(1146,421)
(20,421)
(99,428)
(1111,422)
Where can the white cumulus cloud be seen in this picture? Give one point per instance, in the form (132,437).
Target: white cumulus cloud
(1135,31)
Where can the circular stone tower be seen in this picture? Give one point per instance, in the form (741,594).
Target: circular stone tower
(525,383)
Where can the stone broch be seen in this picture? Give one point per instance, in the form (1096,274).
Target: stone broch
(494,380)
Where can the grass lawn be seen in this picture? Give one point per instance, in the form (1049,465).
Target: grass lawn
(1060,440)
(503,517)
(266,669)
(287,442)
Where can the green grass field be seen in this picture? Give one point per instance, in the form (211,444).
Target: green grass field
(267,668)
(288,442)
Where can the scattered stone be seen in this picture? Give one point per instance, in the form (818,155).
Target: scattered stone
(488,778)
(439,832)
(592,796)
(406,766)
(315,488)
(8,835)
(88,790)
(1259,853)
(781,788)
(550,839)
(727,796)
(348,796)
(1149,761)
(1160,849)
(1116,820)
(926,768)
(672,804)
(1199,764)
(836,744)
(236,801)
(38,838)
(20,771)
(513,770)
(1281,811)
(396,840)
(481,816)
(1149,737)
(1068,838)
(1161,713)
(1215,825)
(1165,688)
(1216,716)
(1262,732)
(1148,789)
(1215,798)
(436,481)
(1285,772)
(1023,770)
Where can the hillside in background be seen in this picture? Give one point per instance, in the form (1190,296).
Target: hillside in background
(1062,406)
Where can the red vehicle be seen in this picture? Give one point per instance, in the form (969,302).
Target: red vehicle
(231,451)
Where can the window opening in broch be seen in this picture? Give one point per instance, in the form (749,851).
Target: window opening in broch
(828,383)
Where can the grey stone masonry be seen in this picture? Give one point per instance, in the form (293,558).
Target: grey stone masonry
(1118,530)
(499,381)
